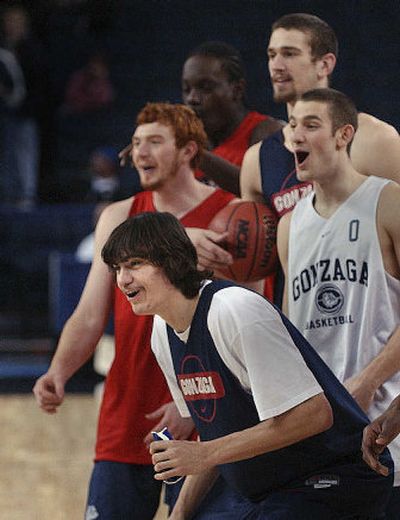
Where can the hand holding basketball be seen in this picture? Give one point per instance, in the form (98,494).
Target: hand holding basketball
(251,240)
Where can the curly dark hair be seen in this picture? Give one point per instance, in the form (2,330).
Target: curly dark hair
(230,58)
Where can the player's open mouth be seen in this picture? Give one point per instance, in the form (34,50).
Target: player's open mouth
(281,79)
(301,157)
(132,294)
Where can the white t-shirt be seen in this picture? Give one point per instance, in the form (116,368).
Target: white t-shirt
(255,345)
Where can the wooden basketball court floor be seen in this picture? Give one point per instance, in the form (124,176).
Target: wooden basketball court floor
(46,460)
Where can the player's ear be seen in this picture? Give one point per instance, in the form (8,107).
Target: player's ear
(239,89)
(344,135)
(326,65)
(189,150)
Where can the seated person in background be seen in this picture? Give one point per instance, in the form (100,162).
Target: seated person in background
(104,188)
(104,175)
(12,84)
(272,418)
(90,88)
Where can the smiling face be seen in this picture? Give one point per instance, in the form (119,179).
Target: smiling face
(145,286)
(315,145)
(207,89)
(155,155)
(292,68)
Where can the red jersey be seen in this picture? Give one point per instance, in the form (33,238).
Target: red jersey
(235,146)
(135,384)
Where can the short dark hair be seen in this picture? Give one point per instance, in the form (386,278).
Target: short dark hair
(161,239)
(322,37)
(231,60)
(341,108)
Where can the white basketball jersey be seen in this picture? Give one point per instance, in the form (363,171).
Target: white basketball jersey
(339,295)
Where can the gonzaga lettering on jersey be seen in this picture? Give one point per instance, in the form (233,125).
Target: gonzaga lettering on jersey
(207,385)
(281,188)
(340,296)
(328,270)
(286,200)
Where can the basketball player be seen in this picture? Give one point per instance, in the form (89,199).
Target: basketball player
(166,148)
(302,54)
(340,251)
(378,434)
(214,86)
(272,418)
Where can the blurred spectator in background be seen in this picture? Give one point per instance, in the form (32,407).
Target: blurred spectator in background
(105,175)
(12,84)
(104,188)
(12,94)
(20,164)
(90,88)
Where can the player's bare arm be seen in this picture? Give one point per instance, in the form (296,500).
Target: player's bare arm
(226,174)
(194,489)
(172,458)
(388,220)
(264,129)
(376,148)
(387,363)
(85,326)
(250,175)
(221,171)
(282,242)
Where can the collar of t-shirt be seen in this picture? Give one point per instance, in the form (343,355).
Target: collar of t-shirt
(184,335)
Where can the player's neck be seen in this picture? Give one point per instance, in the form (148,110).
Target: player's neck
(181,194)
(333,192)
(180,311)
(286,129)
(289,108)
(286,138)
(220,135)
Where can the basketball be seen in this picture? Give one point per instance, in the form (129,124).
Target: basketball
(251,240)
